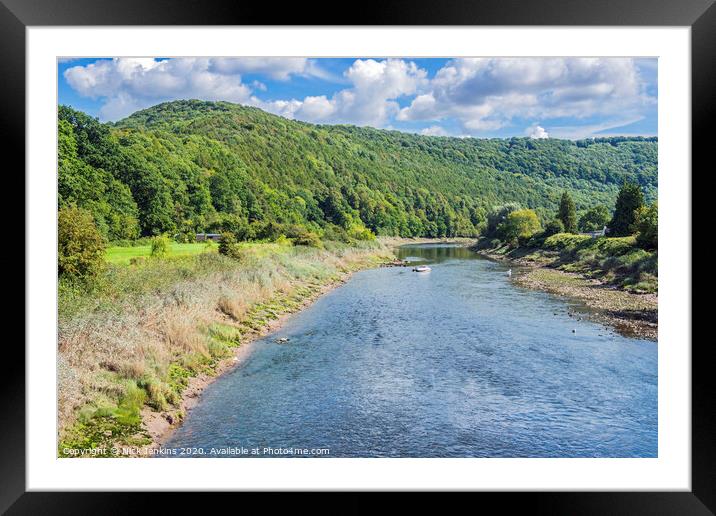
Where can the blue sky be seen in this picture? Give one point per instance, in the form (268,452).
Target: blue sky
(479,97)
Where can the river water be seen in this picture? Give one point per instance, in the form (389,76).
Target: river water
(457,362)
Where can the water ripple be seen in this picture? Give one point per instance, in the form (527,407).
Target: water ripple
(454,363)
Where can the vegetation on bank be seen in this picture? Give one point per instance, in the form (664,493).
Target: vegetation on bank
(132,335)
(143,307)
(625,257)
(185,167)
(125,254)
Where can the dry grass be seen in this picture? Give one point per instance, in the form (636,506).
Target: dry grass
(148,316)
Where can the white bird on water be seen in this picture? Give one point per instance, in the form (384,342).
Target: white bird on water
(509,272)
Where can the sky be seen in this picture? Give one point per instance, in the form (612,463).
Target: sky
(465,97)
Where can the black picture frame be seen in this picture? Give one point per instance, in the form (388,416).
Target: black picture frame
(700,15)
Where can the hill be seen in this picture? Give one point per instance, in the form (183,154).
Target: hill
(188,166)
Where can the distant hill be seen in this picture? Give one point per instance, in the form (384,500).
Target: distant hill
(188,166)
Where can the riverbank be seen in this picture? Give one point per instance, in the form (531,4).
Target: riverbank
(160,427)
(386,353)
(137,349)
(632,312)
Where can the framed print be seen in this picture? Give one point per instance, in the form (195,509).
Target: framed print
(414,251)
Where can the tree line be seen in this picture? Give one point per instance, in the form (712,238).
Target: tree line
(189,166)
(631,216)
(186,167)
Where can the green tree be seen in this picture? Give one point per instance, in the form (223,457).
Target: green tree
(80,246)
(201,161)
(553,227)
(160,246)
(497,216)
(229,247)
(647,226)
(629,200)
(519,225)
(595,218)
(567,213)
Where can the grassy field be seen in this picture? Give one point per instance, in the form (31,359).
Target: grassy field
(123,255)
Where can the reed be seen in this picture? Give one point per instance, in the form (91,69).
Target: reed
(146,327)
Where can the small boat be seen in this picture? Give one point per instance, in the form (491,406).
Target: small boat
(509,273)
(422,268)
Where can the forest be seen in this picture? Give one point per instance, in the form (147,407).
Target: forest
(191,166)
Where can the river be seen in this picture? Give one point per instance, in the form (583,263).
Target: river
(456,362)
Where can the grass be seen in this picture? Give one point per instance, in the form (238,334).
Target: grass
(132,340)
(616,261)
(123,255)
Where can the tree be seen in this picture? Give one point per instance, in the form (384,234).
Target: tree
(229,247)
(497,216)
(629,201)
(647,226)
(519,225)
(595,218)
(567,213)
(182,166)
(80,246)
(553,227)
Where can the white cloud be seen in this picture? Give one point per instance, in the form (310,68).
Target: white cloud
(434,130)
(371,99)
(485,94)
(128,84)
(488,93)
(537,132)
(258,85)
(277,68)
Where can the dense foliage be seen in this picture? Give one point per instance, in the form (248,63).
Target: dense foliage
(595,218)
(80,247)
(553,227)
(519,225)
(647,226)
(192,166)
(160,246)
(567,213)
(629,202)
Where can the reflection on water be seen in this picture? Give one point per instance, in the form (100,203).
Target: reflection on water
(454,363)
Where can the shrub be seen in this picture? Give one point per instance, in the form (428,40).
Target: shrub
(268,231)
(594,219)
(80,247)
(564,240)
(615,246)
(497,216)
(160,246)
(309,239)
(519,225)
(229,247)
(335,233)
(293,230)
(647,226)
(553,227)
(360,232)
